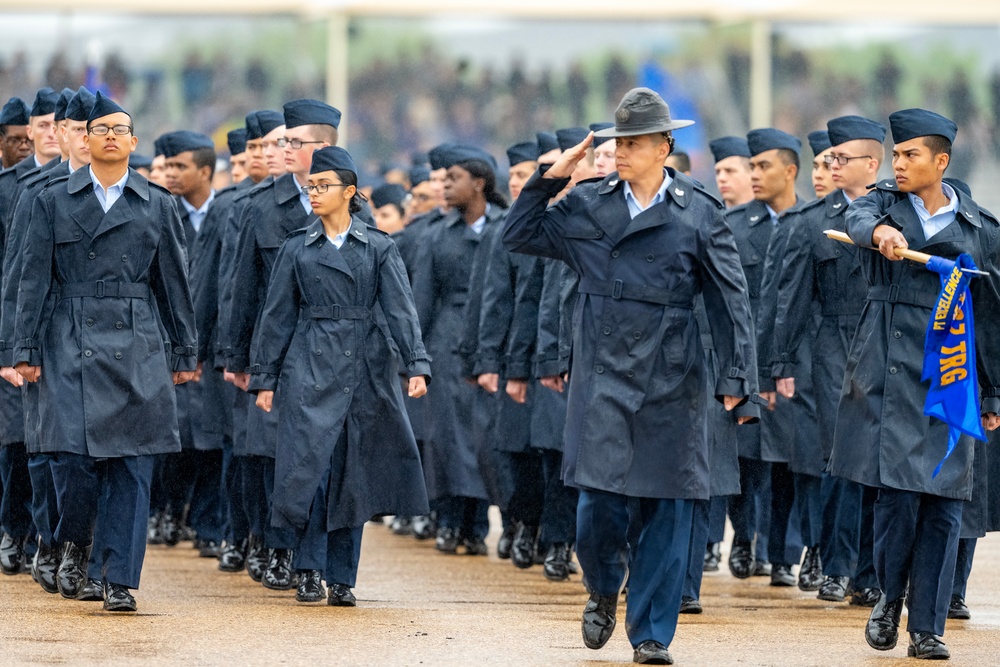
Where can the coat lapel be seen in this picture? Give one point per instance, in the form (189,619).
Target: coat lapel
(324,251)
(610,204)
(760,227)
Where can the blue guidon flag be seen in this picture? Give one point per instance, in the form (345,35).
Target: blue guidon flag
(950,355)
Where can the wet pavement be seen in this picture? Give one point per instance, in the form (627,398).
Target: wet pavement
(418,607)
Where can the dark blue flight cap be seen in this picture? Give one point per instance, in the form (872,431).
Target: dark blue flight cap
(462,153)
(15,112)
(261,123)
(105,106)
(819,141)
(182,141)
(80,105)
(724,147)
(332,158)
(237,140)
(440,156)
(310,112)
(160,145)
(526,151)
(851,128)
(64,97)
(137,161)
(45,102)
(597,127)
(571,136)
(418,159)
(419,174)
(546,142)
(388,193)
(768,139)
(912,123)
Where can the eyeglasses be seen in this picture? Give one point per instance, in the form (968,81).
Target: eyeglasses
(321,188)
(294,143)
(102,130)
(843,159)
(24,141)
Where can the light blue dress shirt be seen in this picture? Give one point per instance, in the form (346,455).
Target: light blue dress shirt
(944,216)
(107,198)
(480,224)
(634,208)
(339,239)
(197,215)
(303,196)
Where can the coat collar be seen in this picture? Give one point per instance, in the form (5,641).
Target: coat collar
(285,189)
(80,179)
(679,190)
(756,212)
(835,204)
(358,231)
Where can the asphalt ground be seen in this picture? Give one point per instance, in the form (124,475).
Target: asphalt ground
(419,607)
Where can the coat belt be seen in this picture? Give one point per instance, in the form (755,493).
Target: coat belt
(897,294)
(104,288)
(617,289)
(337,312)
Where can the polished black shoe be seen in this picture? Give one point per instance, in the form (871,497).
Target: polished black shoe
(522,553)
(652,653)
(340,595)
(279,575)
(93,591)
(833,589)
(713,555)
(447,540)
(401,525)
(557,560)
(958,610)
(310,586)
(12,559)
(811,570)
(258,556)
(866,597)
(781,575)
(117,598)
(209,549)
(474,546)
(506,541)
(690,605)
(882,630)
(927,646)
(741,560)
(424,527)
(599,620)
(233,557)
(44,566)
(170,530)
(153,534)
(72,572)
(761,568)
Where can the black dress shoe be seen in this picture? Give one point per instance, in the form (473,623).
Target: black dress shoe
(652,653)
(833,589)
(424,527)
(882,630)
(761,568)
(811,570)
(741,560)
(44,566)
(72,574)
(599,620)
(310,586)
(340,595)
(12,560)
(209,549)
(927,646)
(958,610)
(474,546)
(713,555)
(233,557)
(401,525)
(690,605)
(258,556)
(781,575)
(117,598)
(170,530)
(153,534)
(92,591)
(447,540)
(279,575)
(556,565)
(522,553)
(506,541)
(866,597)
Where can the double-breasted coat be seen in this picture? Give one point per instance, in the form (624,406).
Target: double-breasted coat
(552,351)
(636,418)
(122,321)
(319,347)
(883,438)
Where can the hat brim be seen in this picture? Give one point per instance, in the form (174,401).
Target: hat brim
(638,131)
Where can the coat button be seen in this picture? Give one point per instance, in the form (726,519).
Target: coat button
(637,335)
(90,322)
(318,352)
(317,278)
(598,369)
(77,236)
(598,234)
(118,355)
(615,253)
(119,325)
(317,387)
(649,258)
(607,331)
(897,334)
(87,353)
(630,373)
(347,390)
(347,353)
(892,370)
(124,258)
(92,255)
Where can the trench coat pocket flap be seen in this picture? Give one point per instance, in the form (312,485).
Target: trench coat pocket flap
(583,232)
(827,249)
(331,257)
(67,234)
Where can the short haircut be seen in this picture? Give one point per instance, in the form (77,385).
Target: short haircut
(874,148)
(321,132)
(938,144)
(204,157)
(789,156)
(683,161)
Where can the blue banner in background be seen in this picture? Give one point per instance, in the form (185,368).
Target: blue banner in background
(950,355)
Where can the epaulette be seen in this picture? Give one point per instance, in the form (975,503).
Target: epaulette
(58,179)
(296,232)
(888,184)
(225,190)
(988,215)
(376,230)
(35,179)
(594,179)
(712,198)
(805,206)
(31,173)
(159,187)
(738,209)
(266,184)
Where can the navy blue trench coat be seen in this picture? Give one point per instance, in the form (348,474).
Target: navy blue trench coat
(319,347)
(636,419)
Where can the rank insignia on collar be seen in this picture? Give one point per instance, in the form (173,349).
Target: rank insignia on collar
(679,192)
(754,218)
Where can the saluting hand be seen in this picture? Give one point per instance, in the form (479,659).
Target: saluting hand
(991,421)
(417,388)
(887,238)
(264,399)
(566,164)
(786,387)
(10,375)
(518,391)
(29,373)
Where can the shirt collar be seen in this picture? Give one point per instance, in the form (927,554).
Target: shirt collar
(771,212)
(204,207)
(950,208)
(120,184)
(479,224)
(660,195)
(846,197)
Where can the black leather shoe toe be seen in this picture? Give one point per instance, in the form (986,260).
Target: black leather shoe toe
(761,568)
(690,606)
(506,541)
(117,598)
(781,575)
(310,586)
(340,595)
(258,557)
(209,549)
(713,555)
(522,554)
(12,559)
(811,570)
(556,566)
(92,591)
(741,560)
(652,653)
(447,540)
(866,597)
(927,646)
(233,557)
(401,525)
(958,610)
(599,620)
(279,575)
(882,630)
(44,567)
(71,575)
(424,527)
(474,546)
(833,589)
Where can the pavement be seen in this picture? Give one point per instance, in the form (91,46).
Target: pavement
(418,607)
